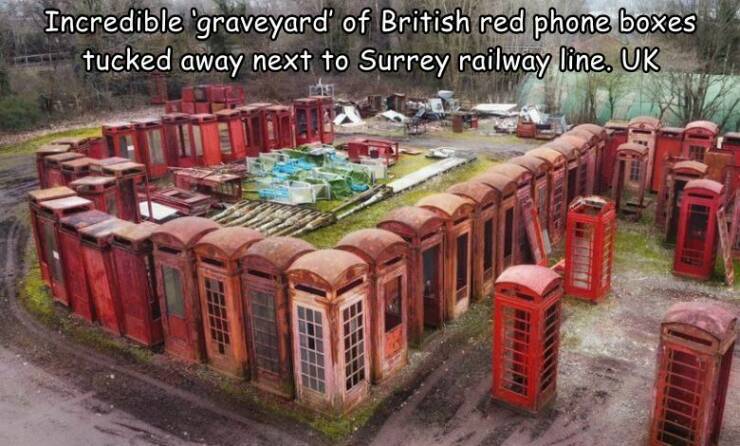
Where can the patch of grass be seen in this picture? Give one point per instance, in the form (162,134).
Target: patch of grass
(639,246)
(32,144)
(368,218)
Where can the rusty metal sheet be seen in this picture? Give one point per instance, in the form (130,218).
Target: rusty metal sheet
(186,230)
(330,265)
(453,206)
(371,244)
(537,279)
(709,317)
(231,242)
(281,252)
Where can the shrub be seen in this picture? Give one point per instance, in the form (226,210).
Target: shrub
(18,113)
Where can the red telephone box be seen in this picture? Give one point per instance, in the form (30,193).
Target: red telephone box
(526,336)
(697,340)
(101,191)
(75,169)
(385,253)
(485,234)
(179,142)
(643,130)
(616,135)
(326,118)
(284,121)
(271,129)
(668,145)
(699,138)
(53,168)
(630,180)
(587,159)
(219,274)
(97,148)
(35,198)
(308,121)
(101,274)
(134,269)
(50,212)
(127,176)
(669,202)
(231,135)
(696,245)
(507,224)
(330,319)
(572,156)
(599,145)
(424,231)
(538,168)
(731,146)
(374,148)
(589,248)
(177,288)
(150,140)
(253,122)
(120,137)
(457,213)
(41,154)
(204,133)
(77,280)
(557,206)
(529,243)
(267,311)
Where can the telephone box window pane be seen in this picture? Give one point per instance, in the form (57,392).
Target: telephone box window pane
(462,262)
(198,141)
(310,337)
(265,331)
(431,262)
(217,316)
(53,259)
(155,147)
(302,123)
(634,170)
(127,146)
(184,140)
(153,303)
(224,137)
(392,304)
(314,120)
(508,233)
(488,245)
(111,205)
(354,345)
(173,291)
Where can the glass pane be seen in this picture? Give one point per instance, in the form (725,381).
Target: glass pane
(354,345)
(156,154)
(462,262)
(265,331)
(312,349)
(173,291)
(392,304)
(224,137)
(198,141)
(217,315)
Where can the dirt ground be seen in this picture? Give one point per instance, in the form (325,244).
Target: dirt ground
(52,389)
